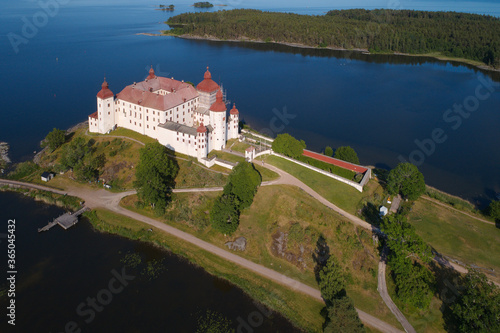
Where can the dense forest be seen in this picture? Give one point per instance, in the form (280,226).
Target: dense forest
(460,35)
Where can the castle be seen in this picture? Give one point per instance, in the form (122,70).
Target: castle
(188,120)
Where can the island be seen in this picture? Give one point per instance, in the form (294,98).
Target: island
(205,4)
(470,38)
(308,234)
(169,8)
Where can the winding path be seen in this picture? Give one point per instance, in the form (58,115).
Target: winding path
(104,199)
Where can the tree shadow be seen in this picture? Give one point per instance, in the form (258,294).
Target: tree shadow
(448,284)
(320,255)
(69,137)
(371,214)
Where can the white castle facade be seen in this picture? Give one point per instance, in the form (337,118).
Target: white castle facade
(188,120)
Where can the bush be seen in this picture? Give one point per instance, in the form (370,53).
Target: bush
(24,169)
(289,146)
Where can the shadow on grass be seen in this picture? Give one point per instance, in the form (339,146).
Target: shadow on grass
(320,255)
(371,214)
(449,282)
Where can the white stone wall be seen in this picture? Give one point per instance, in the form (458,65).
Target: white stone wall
(93,125)
(232,124)
(219,137)
(106,114)
(177,141)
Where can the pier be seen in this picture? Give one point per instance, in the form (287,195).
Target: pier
(66,221)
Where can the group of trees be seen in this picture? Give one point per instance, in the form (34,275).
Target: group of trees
(289,146)
(477,305)
(79,155)
(345,153)
(341,315)
(408,259)
(238,194)
(155,175)
(54,139)
(469,36)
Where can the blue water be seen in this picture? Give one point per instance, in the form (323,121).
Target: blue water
(377,104)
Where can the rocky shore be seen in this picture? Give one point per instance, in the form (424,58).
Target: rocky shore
(4,151)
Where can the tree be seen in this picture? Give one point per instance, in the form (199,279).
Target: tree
(54,139)
(331,281)
(406,180)
(328,151)
(477,308)
(494,209)
(155,176)
(214,322)
(343,317)
(347,154)
(243,183)
(289,146)
(224,215)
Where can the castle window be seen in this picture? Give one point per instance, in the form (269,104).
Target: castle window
(147,111)
(109,113)
(130,121)
(153,112)
(135,114)
(183,140)
(135,123)
(147,118)
(147,126)
(140,109)
(109,105)
(99,105)
(140,125)
(177,139)
(135,107)
(153,128)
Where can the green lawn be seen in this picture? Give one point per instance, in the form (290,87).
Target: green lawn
(457,235)
(131,134)
(338,193)
(226,156)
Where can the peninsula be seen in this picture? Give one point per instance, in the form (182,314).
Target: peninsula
(468,38)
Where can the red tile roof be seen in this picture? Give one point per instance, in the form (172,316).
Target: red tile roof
(105,92)
(207,85)
(93,115)
(143,93)
(201,129)
(219,105)
(334,161)
(234,110)
(151,73)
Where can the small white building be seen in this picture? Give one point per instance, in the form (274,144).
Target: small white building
(250,153)
(46,176)
(383,211)
(189,120)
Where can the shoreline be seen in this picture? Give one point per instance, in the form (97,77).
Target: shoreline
(473,63)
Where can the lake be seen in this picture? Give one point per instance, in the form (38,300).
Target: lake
(385,107)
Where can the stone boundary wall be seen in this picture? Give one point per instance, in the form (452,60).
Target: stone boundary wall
(357,186)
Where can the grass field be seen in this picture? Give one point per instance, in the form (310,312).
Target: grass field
(226,156)
(457,235)
(287,209)
(340,194)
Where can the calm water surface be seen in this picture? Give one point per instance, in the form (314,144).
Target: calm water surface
(58,270)
(377,104)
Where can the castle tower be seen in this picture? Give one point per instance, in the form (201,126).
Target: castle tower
(233,123)
(218,122)
(207,89)
(105,109)
(151,74)
(202,141)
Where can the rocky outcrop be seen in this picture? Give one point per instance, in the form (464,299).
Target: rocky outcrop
(4,151)
(239,244)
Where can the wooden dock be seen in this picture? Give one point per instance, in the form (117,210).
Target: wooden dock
(66,221)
